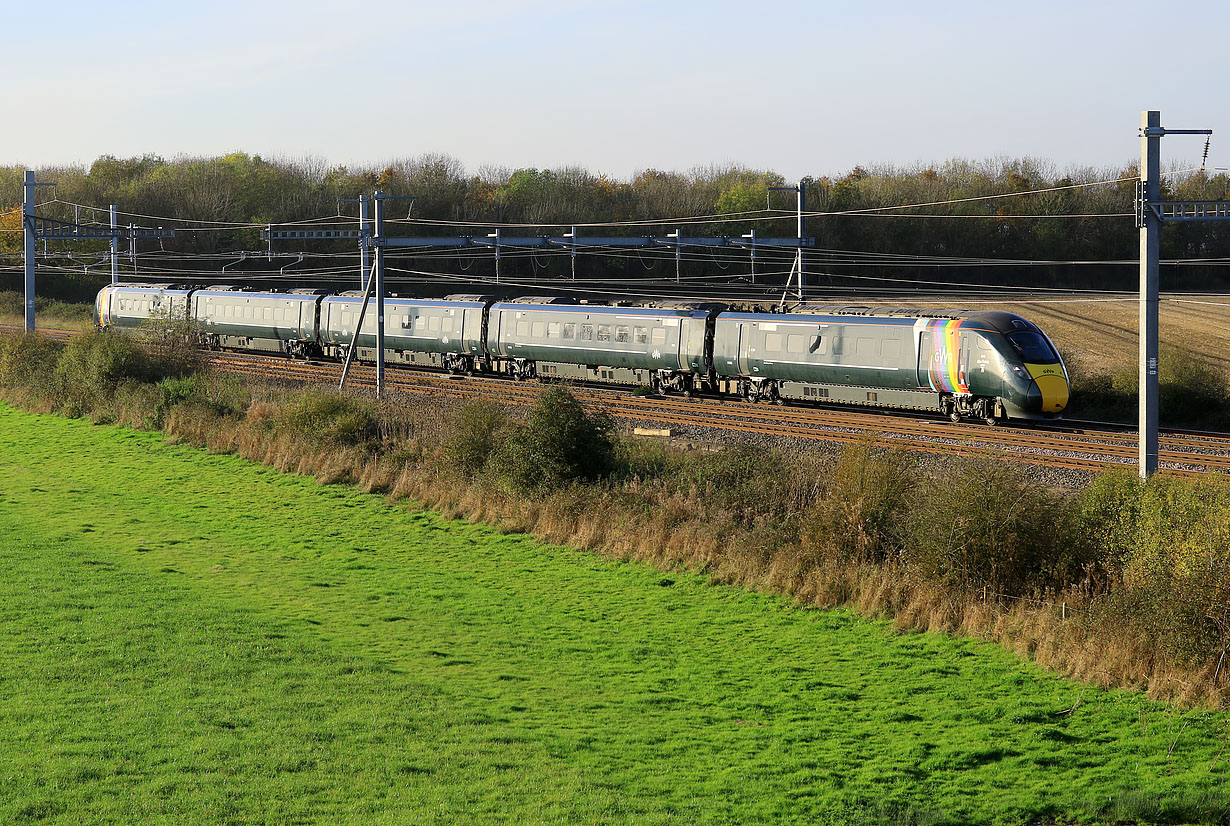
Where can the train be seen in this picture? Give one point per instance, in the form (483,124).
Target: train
(982,365)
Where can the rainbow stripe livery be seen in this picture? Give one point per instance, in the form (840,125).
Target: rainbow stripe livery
(945,374)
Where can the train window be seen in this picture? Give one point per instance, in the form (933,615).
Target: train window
(659,335)
(621,333)
(773,341)
(794,343)
(230,311)
(539,329)
(447,324)
(890,348)
(642,335)
(839,345)
(587,332)
(247,311)
(433,323)
(552,329)
(523,329)
(983,344)
(420,323)
(345,319)
(570,330)
(1032,347)
(604,332)
(268,313)
(865,346)
(816,345)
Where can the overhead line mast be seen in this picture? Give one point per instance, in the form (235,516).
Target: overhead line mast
(1151,212)
(37,228)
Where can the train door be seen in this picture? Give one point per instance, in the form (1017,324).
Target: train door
(745,341)
(692,344)
(963,363)
(472,329)
(925,358)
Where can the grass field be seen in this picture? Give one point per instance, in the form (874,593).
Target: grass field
(187,638)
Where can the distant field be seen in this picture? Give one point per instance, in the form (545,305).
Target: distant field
(187,638)
(1100,335)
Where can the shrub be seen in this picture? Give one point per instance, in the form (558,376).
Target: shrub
(186,391)
(327,418)
(1170,538)
(95,363)
(989,525)
(29,360)
(1107,515)
(750,482)
(475,435)
(1191,391)
(563,443)
(860,517)
(1102,396)
(642,460)
(172,346)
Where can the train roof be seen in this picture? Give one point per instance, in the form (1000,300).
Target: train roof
(137,285)
(605,309)
(993,320)
(880,312)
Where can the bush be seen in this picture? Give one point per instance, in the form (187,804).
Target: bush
(29,360)
(1102,396)
(750,482)
(1191,393)
(95,363)
(861,516)
(563,443)
(1169,539)
(188,391)
(990,525)
(475,435)
(1107,516)
(172,346)
(328,418)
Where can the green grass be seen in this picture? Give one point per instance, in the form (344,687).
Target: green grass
(187,638)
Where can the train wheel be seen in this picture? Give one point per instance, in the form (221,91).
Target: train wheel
(991,421)
(954,416)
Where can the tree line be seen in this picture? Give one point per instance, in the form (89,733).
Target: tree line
(957,219)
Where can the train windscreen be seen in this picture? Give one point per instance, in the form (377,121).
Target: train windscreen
(1033,347)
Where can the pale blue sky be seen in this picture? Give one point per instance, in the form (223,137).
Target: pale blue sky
(801,88)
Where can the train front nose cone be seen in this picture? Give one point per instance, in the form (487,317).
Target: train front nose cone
(1054,392)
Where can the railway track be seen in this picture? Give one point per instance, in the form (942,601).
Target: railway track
(1076,448)
(1073,446)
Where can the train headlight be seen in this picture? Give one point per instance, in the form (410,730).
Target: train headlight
(1020,371)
